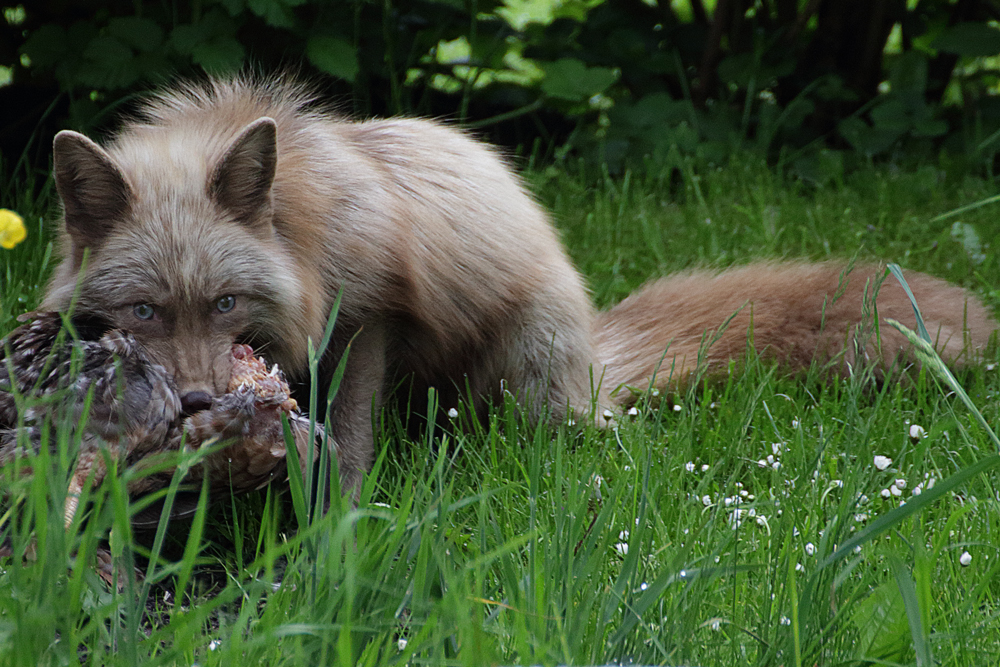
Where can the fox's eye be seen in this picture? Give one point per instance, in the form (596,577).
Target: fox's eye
(226,303)
(143,311)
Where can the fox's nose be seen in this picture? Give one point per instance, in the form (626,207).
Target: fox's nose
(195,401)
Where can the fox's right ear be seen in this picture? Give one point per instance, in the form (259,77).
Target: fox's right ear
(93,189)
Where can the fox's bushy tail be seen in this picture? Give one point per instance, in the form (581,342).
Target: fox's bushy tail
(794,312)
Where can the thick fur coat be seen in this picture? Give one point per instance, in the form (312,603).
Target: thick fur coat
(236,211)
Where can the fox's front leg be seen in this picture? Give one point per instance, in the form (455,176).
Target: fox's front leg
(358,399)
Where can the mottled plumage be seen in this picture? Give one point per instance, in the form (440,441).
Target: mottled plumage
(134,409)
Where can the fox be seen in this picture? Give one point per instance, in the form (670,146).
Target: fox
(238,211)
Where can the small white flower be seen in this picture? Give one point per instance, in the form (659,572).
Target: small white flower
(770,458)
(882,462)
(706,501)
(704,467)
(713,405)
(795,423)
(677,408)
(839,483)
(622,548)
(762,463)
(689,466)
(799,567)
(716,625)
(900,483)
(623,535)
(744,493)
(917,490)
(965,559)
(776,448)
(917,432)
(643,586)
(654,392)
(784,620)
(608,415)
(776,465)
(633,411)
(401,644)
(895,490)
(452,413)
(990,367)
(214,644)
(810,548)
(930,483)
(861,517)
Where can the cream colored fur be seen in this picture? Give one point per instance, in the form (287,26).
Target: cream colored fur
(451,274)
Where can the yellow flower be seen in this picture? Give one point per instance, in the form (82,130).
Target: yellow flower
(12,229)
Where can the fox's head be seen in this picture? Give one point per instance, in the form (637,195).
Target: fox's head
(171,236)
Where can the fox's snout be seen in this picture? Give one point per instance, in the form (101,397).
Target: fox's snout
(201,368)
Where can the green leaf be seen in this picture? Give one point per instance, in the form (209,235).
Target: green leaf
(46,46)
(139,33)
(333,55)
(569,79)
(220,55)
(274,13)
(972,40)
(866,139)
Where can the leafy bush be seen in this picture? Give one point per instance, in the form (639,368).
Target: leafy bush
(806,83)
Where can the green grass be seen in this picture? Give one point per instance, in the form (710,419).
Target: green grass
(663,542)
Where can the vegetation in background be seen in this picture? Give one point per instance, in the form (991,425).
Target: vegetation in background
(814,85)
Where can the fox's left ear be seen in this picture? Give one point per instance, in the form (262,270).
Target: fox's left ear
(241,182)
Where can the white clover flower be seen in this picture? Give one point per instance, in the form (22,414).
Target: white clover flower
(689,466)
(882,462)
(810,548)
(900,483)
(917,432)
(452,413)
(965,559)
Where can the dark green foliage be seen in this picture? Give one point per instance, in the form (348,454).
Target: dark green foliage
(614,81)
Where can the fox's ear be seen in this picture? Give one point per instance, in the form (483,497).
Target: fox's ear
(241,182)
(94,191)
